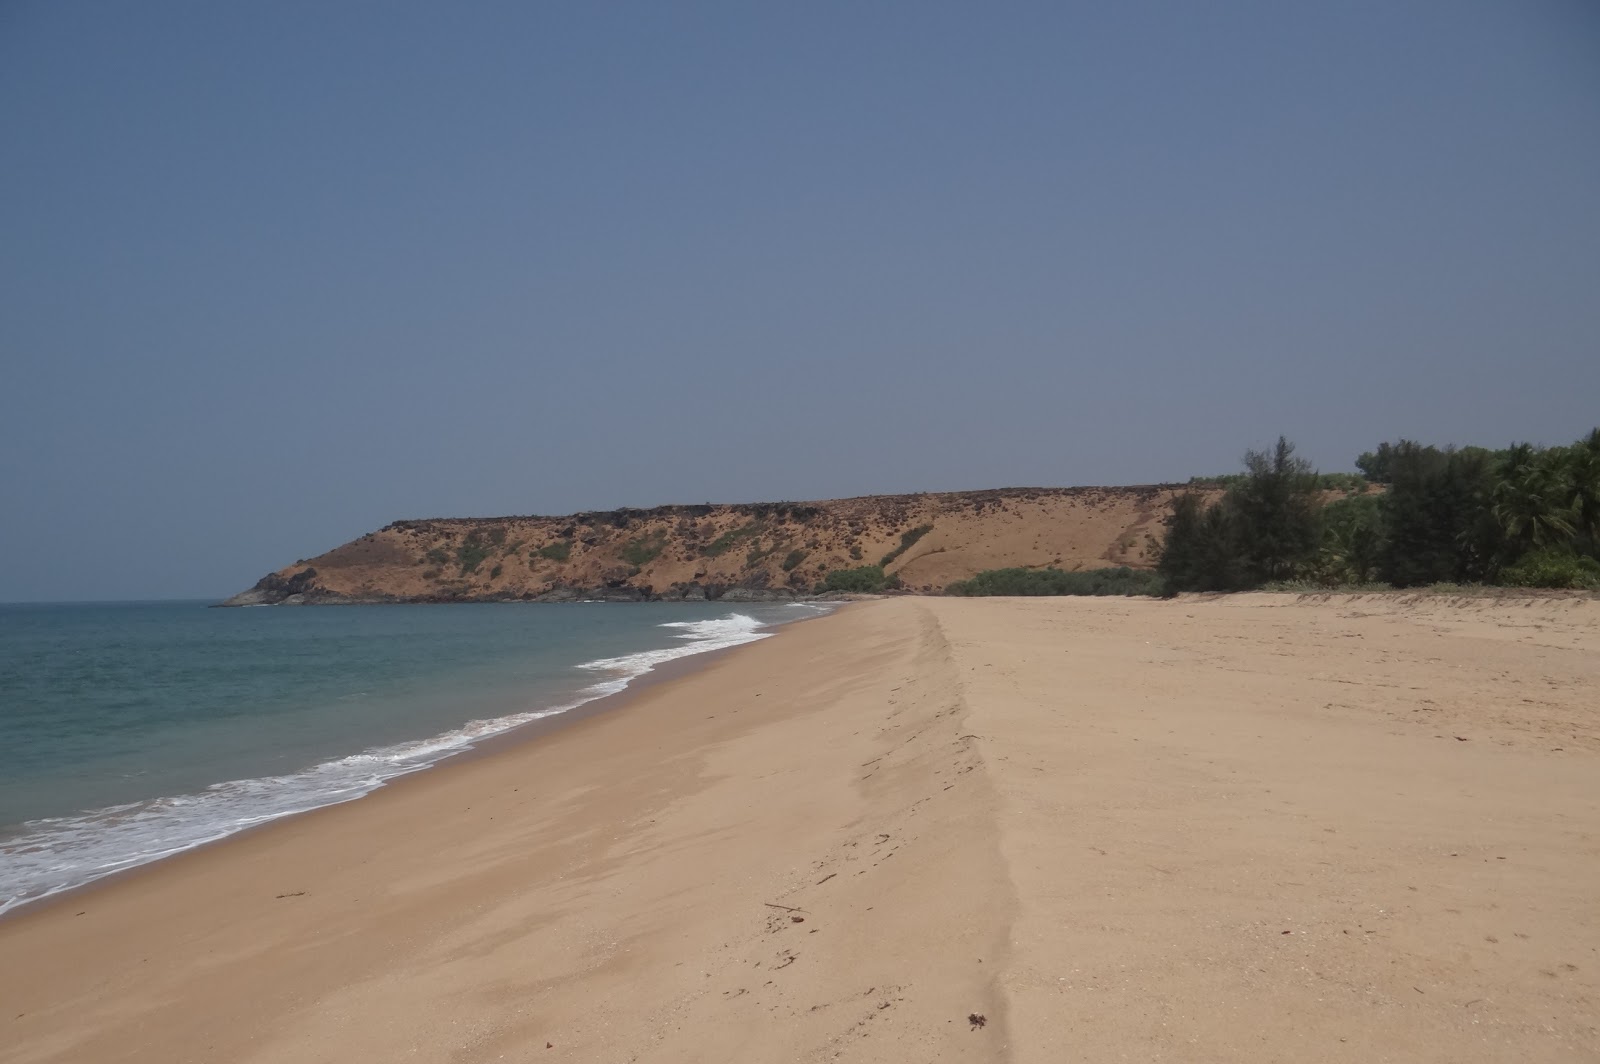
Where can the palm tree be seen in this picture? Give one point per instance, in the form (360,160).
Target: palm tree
(1531,500)
(1583,486)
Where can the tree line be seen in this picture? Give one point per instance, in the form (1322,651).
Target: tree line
(1521,516)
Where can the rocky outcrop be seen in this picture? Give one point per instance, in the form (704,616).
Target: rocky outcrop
(278,588)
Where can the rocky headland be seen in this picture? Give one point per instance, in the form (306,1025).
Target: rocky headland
(731,552)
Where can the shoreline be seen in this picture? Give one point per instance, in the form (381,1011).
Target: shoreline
(567,597)
(1236,829)
(489,745)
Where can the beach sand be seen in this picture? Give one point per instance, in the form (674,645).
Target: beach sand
(1253,828)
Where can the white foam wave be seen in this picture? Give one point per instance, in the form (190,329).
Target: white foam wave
(55,854)
(700,637)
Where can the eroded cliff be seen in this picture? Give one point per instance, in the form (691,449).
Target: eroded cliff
(735,551)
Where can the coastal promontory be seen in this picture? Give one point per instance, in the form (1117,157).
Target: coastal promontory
(741,551)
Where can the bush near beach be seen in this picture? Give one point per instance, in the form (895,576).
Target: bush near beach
(1022,581)
(866,579)
(1523,516)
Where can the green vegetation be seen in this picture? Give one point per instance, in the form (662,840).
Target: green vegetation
(907,540)
(866,579)
(779,511)
(1019,581)
(1265,528)
(855,552)
(559,551)
(642,551)
(1553,568)
(1348,482)
(494,574)
(438,556)
(792,559)
(472,553)
(1351,536)
(723,543)
(758,554)
(1523,516)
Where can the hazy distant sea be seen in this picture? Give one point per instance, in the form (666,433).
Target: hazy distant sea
(132,731)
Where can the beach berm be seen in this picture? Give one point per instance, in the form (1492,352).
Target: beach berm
(1251,828)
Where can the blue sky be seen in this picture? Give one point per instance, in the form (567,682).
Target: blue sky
(276,274)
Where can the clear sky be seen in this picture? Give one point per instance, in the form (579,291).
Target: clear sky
(275,274)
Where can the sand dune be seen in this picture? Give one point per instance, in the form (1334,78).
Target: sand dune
(1243,829)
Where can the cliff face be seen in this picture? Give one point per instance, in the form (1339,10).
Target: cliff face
(745,551)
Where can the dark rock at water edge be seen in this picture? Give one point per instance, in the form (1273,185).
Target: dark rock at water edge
(274,589)
(758,594)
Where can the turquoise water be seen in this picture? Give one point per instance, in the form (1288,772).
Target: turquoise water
(134,730)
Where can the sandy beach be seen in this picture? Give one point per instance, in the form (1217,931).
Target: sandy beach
(1251,828)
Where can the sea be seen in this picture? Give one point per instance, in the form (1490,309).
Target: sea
(133,731)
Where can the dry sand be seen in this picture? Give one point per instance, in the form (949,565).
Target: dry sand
(1242,829)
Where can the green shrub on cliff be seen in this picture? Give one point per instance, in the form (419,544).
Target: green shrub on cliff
(794,558)
(640,552)
(758,554)
(728,539)
(866,580)
(559,551)
(907,541)
(472,553)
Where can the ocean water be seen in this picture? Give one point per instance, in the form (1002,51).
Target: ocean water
(132,731)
